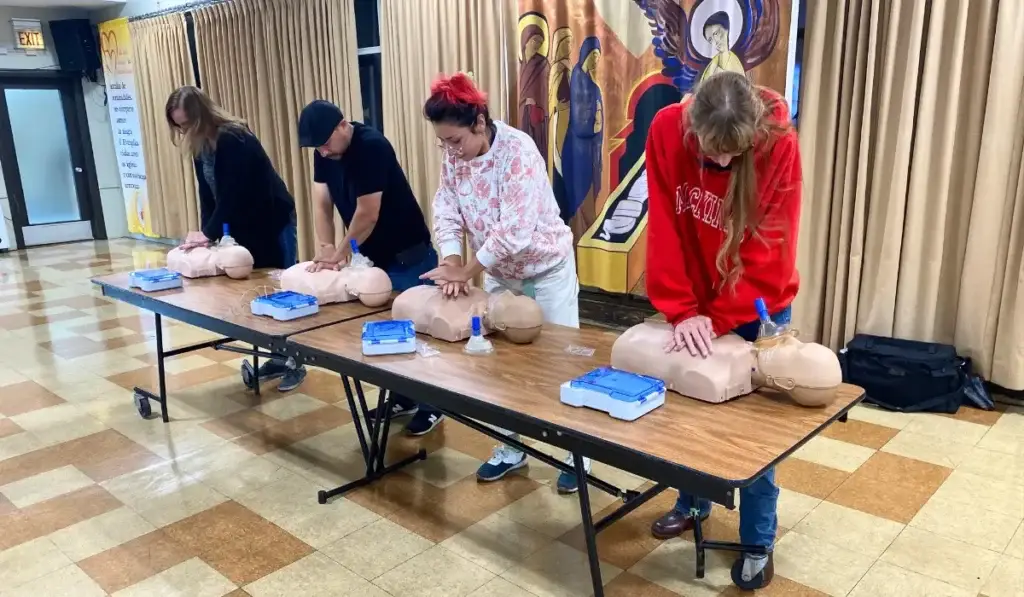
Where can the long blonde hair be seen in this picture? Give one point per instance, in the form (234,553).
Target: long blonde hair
(206,120)
(731,116)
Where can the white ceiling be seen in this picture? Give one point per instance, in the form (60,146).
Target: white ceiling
(62,3)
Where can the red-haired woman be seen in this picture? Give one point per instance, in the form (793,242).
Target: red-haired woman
(494,187)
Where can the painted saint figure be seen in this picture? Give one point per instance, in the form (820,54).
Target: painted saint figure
(581,160)
(533,83)
(716,32)
(716,36)
(558,104)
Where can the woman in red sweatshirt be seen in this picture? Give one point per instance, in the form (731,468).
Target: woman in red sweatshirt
(724,183)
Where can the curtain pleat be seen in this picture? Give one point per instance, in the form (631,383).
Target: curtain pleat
(911,130)
(162,64)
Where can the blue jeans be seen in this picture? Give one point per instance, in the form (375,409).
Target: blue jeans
(759,518)
(289,241)
(403,277)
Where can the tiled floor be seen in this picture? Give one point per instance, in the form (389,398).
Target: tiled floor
(96,501)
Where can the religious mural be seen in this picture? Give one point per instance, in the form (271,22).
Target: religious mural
(593,73)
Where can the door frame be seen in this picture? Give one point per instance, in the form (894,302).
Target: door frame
(79,142)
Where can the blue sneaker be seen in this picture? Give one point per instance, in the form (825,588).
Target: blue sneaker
(423,422)
(504,460)
(567,482)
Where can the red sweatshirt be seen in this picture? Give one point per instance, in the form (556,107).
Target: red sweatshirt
(685,228)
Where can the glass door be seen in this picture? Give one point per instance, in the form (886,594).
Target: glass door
(43,163)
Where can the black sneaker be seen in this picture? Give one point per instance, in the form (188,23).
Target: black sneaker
(424,422)
(292,379)
(397,411)
(272,369)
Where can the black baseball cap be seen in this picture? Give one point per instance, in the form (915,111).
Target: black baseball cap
(317,123)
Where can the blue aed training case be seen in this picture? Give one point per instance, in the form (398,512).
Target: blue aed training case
(621,394)
(389,337)
(285,305)
(152,280)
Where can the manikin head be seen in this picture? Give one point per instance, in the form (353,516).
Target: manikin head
(458,111)
(518,317)
(322,126)
(731,121)
(195,121)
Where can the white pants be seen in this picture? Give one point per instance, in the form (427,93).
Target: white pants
(557,292)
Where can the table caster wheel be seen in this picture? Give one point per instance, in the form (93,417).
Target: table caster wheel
(142,405)
(321,497)
(759,581)
(248,375)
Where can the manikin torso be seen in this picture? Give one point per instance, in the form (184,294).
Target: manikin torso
(518,318)
(369,285)
(235,261)
(808,373)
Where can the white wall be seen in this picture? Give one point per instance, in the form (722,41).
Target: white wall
(114,215)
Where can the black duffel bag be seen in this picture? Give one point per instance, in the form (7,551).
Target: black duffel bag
(906,375)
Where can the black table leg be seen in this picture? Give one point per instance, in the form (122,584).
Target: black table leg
(373,440)
(143,396)
(256,368)
(589,532)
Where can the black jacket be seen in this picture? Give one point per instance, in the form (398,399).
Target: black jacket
(250,197)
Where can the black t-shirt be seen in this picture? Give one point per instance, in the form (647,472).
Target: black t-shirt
(370,166)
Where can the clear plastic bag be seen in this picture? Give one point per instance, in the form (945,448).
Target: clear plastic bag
(580,351)
(425,350)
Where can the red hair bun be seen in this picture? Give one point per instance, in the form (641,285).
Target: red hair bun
(458,89)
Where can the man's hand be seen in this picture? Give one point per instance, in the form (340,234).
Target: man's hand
(693,334)
(329,258)
(194,240)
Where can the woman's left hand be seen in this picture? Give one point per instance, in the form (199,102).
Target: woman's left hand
(446,273)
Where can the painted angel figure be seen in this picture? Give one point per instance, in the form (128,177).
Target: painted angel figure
(717,35)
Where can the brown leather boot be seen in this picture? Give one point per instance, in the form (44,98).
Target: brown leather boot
(673,524)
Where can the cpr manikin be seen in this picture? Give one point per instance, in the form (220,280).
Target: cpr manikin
(519,318)
(808,373)
(369,285)
(226,257)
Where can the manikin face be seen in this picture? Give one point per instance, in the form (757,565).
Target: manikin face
(338,142)
(717,36)
(463,142)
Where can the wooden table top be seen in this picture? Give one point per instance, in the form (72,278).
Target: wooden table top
(734,441)
(225,299)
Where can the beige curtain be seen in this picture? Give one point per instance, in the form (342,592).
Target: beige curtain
(264,60)
(162,64)
(419,40)
(912,128)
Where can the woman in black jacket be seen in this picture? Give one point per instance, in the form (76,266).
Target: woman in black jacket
(239,187)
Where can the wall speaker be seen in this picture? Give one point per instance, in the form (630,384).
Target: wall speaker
(75,43)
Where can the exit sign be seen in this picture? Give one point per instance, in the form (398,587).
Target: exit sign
(28,34)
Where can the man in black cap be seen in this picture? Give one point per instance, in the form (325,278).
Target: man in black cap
(356,170)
